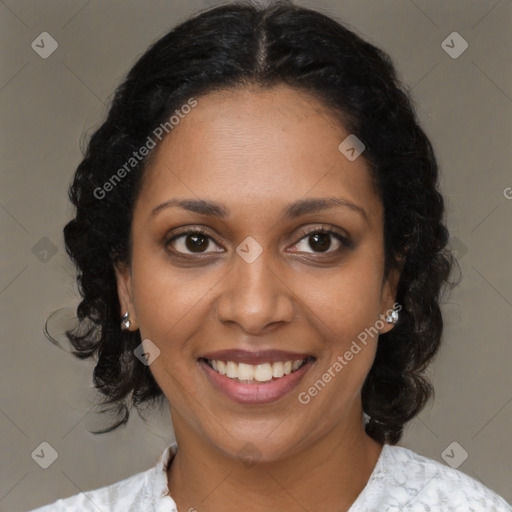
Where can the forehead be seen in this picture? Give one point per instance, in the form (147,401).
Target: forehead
(255,147)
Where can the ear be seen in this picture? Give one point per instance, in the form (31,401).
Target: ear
(388,297)
(125,293)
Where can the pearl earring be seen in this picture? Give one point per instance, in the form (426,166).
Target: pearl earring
(392,318)
(125,322)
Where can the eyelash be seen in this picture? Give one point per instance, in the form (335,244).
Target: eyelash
(345,242)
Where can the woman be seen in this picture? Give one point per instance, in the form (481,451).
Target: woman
(260,240)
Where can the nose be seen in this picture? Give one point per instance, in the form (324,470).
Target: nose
(255,296)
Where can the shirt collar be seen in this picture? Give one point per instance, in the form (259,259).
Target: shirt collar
(159,490)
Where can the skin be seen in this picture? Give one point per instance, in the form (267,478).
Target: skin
(255,152)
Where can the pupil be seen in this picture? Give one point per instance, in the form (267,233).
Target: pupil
(198,241)
(322,240)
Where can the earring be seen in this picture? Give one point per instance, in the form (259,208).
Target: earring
(125,322)
(392,318)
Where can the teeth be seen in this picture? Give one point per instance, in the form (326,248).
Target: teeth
(245,371)
(296,365)
(259,372)
(263,372)
(231,370)
(277,370)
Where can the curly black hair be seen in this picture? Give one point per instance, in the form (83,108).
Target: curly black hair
(240,45)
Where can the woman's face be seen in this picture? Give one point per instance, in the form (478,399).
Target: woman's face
(258,279)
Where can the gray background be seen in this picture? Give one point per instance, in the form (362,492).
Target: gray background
(46,106)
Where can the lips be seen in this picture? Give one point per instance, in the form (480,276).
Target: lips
(255,377)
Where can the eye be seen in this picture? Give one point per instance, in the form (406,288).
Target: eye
(196,241)
(319,240)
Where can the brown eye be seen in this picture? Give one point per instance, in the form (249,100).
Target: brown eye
(190,242)
(320,241)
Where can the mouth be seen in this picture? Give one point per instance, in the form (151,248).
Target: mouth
(255,378)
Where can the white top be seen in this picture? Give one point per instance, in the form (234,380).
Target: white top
(401,481)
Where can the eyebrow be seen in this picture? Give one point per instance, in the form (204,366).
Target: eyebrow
(293,210)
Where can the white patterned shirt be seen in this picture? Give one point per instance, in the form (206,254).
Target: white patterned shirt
(402,481)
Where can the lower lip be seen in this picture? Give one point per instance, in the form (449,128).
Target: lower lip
(262,393)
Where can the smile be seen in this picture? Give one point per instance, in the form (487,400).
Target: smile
(255,384)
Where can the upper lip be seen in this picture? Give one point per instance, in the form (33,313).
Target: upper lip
(256,357)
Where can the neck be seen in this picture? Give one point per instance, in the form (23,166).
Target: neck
(328,474)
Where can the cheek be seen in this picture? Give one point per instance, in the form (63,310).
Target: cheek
(168,305)
(174,309)
(343,309)
(343,316)
(347,299)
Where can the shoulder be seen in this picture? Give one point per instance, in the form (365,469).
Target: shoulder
(135,493)
(118,496)
(405,480)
